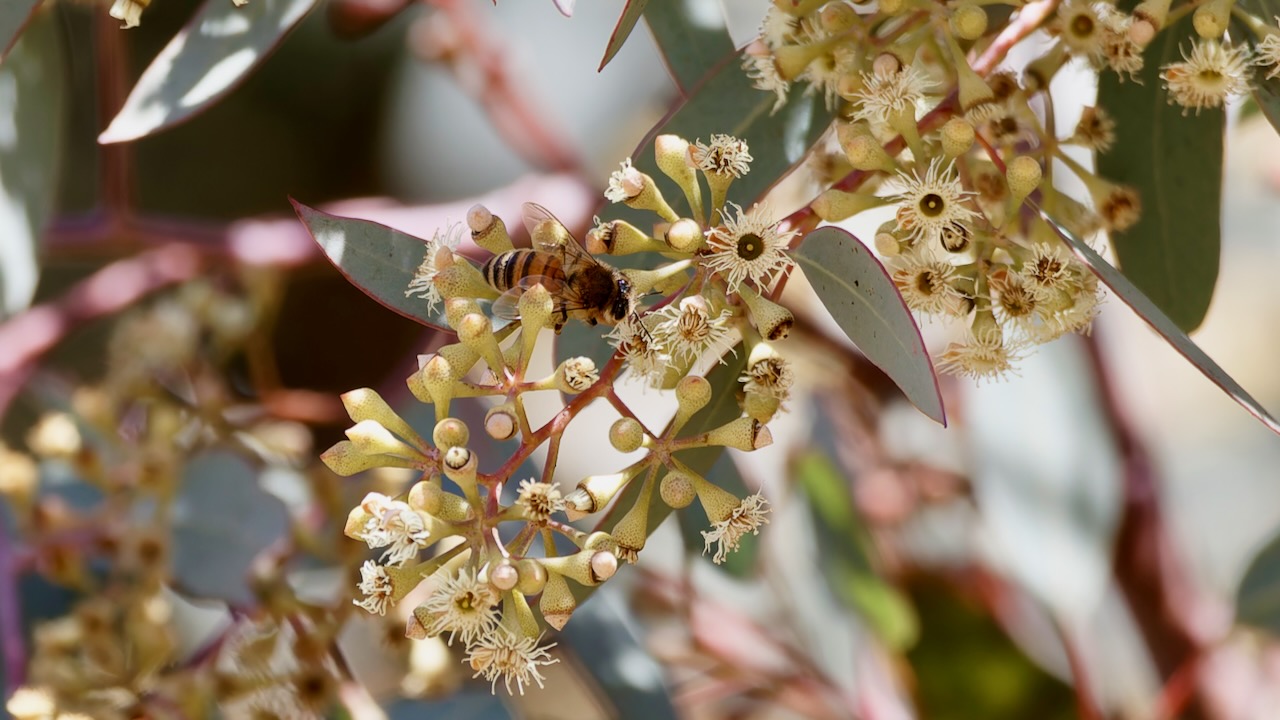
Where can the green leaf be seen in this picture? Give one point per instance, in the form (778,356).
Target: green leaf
(727,103)
(626,23)
(1258,597)
(690,45)
(846,549)
(14,15)
(1161,323)
(31,98)
(222,520)
(210,56)
(1175,163)
(857,291)
(375,258)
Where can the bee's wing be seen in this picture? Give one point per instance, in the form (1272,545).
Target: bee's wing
(570,250)
(565,297)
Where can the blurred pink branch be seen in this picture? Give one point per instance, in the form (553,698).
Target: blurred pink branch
(1147,567)
(460,41)
(28,336)
(11,635)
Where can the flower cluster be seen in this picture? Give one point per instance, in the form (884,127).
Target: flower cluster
(495,578)
(124,447)
(960,150)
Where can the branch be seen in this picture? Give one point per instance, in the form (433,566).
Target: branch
(482,67)
(28,336)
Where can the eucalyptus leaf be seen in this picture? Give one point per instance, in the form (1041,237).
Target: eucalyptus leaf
(1162,323)
(1174,161)
(1258,597)
(14,15)
(209,57)
(607,640)
(846,549)
(691,45)
(726,102)
(222,520)
(626,23)
(32,84)
(857,291)
(377,259)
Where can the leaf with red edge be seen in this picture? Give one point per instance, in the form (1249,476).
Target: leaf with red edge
(212,54)
(861,297)
(626,23)
(377,259)
(691,46)
(1161,323)
(14,16)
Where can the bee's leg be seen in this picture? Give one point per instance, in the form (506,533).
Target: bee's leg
(559,326)
(592,321)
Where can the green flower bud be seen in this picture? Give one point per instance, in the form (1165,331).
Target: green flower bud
(488,231)
(450,432)
(557,602)
(626,435)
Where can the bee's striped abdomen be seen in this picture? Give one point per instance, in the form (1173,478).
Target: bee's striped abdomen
(505,271)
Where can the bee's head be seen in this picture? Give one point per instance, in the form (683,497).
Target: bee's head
(622,302)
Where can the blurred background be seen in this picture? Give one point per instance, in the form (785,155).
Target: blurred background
(1071,545)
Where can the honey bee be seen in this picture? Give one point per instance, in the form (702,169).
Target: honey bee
(582,286)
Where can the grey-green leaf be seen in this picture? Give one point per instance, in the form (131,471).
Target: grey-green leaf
(14,15)
(222,521)
(626,23)
(1258,597)
(377,259)
(1162,323)
(32,83)
(212,54)
(1175,163)
(857,291)
(690,43)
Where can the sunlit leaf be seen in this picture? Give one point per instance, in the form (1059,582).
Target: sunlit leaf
(626,23)
(864,302)
(212,54)
(375,258)
(1258,597)
(727,103)
(14,15)
(222,520)
(847,549)
(692,38)
(1175,163)
(31,94)
(1162,324)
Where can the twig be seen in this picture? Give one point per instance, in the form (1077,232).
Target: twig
(11,640)
(111,58)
